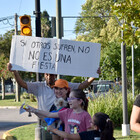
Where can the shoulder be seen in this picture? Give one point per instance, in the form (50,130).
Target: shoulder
(73,85)
(35,83)
(85,116)
(66,110)
(86,113)
(69,110)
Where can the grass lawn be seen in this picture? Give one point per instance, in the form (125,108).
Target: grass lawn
(27,132)
(10,101)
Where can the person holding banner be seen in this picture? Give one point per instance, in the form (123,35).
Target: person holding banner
(44,90)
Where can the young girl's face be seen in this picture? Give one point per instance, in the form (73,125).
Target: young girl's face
(74,102)
(93,126)
(61,92)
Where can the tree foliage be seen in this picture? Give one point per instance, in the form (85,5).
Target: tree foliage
(45,25)
(100,23)
(95,17)
(5,45)
(128,14)
(3,67)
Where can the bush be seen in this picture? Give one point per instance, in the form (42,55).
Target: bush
(112,105)
(32,98)
(25,95)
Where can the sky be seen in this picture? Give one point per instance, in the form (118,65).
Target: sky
(21,7)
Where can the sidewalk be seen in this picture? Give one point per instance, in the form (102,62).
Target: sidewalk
(12,121)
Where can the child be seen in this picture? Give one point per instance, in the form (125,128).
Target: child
(76,118)
(101,127)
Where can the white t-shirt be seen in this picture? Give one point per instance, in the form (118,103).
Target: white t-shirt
(45,95)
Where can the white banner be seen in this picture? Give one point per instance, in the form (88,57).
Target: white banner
(55,56)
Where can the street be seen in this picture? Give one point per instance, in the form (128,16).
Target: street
(10,118)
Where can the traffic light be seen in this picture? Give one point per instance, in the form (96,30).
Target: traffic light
(25,25)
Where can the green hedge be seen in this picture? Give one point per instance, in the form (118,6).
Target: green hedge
(112,105)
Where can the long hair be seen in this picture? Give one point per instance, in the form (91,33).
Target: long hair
(105,125)
(80,94)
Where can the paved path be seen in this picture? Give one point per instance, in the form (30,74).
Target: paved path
(10,118)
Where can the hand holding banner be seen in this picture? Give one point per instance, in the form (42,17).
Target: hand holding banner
(56,56)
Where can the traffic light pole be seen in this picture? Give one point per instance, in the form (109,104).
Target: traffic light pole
(38,20)
(38,27)
(58,23)
(58,19)
(17,85)
(38,134)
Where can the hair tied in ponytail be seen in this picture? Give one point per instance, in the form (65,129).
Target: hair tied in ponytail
(107,119)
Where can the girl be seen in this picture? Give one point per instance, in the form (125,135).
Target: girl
(76,118)
(101,127)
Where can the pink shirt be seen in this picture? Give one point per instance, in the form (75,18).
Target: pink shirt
(75,122)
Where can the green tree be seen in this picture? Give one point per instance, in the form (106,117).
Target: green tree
(95,17)
(5,44)
(95,26)
(45,25)
(128,12)
(4,73)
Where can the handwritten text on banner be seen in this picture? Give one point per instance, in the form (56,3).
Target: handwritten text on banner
(56,56)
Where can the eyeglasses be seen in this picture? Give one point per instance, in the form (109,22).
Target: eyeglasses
(70,99)
(56,88)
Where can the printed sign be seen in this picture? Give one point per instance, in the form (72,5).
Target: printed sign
(55,56)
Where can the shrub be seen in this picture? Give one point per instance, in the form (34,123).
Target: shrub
(32,98)
(25,95)
(112,105)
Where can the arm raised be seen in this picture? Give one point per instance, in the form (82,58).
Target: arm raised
(64,134)
(17,76)
(88,82)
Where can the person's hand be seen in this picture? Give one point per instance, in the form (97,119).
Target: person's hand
(9,67)
(50,128)
(29,109)
(99,70)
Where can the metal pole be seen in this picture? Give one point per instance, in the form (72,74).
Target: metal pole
(38,78)
(58,19)
(133,88)
(16,25)
(58,23)
(17,96)
(38,27)
(125,125)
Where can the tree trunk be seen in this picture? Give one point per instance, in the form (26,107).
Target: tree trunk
(3,87)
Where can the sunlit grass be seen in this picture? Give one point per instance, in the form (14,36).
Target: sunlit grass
(10,101)
(27,132)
